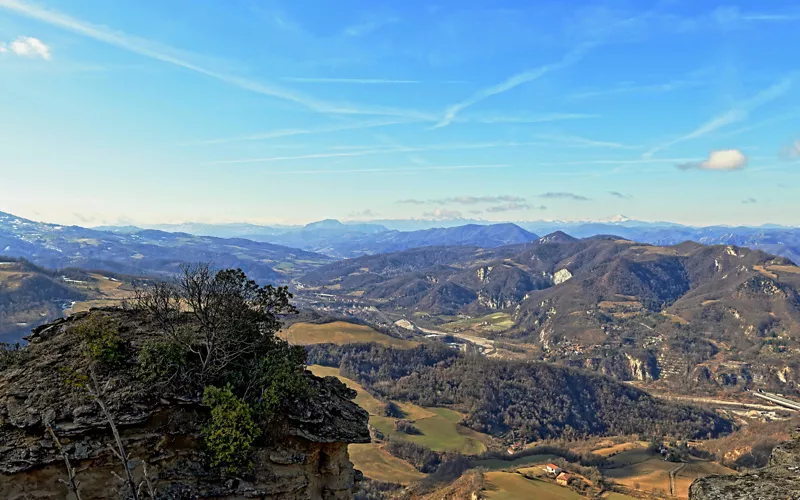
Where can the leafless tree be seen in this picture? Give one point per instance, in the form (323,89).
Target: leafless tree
(98,394)
(71,482)
(231,316)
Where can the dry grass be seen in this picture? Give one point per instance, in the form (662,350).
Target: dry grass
(511,486)
(339,332)
(378,464)
(675,318)
(763,271)
(13,279)
(363,398)
(785,269)
(610,451)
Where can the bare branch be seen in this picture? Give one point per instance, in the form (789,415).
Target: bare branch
(72,484)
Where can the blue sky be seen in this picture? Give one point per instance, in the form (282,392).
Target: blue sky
(287,112)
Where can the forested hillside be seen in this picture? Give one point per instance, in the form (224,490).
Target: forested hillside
(535,400)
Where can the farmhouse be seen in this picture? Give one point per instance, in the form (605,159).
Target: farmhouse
(563,478)
(553,469)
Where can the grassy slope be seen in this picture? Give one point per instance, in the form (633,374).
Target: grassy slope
(512,486)
(340,332)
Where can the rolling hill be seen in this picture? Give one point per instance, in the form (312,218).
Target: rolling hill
(147,252)
(691,313)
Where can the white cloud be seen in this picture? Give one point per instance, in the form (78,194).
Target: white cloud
(442,214)
(27,46)
(725,160)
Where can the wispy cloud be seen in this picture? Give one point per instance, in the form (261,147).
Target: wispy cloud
(389,170)
(533,118)
(511,83)
(465,200)
(357,81)
(370,25)
(563,196)
(727,160)
(632,88)
(512,207)
(27,46)
(274,134)
(576,141)
(368,152)
(622,196)
(749,201)
(734,115)
(175,57)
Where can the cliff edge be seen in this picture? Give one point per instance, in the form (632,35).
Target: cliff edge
(780,480)
(302,455)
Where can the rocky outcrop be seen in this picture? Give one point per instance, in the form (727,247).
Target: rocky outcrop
(302,456)
(780,480)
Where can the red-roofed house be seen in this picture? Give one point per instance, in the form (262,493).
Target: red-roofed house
(553,469)
(563,478)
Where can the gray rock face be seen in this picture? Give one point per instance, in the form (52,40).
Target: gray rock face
(780,480)
(303,456)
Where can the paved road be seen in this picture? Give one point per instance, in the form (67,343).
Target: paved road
(778,400)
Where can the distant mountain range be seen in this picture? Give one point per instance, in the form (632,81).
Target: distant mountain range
(720,314)
(147,252)
(347,240)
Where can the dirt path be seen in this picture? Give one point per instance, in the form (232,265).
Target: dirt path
(672,475)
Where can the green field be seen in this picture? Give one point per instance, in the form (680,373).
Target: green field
(511,486)
(439,426)
(440,432)
(339,332)
(379,465)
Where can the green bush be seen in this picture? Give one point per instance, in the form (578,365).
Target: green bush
(281,378)
(160,360)
(232,430)
(102,339)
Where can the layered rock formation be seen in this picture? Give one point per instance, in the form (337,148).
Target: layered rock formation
(780,480)
(302,456)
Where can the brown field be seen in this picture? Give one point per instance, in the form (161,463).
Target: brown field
(785,269)
(608,304)
(13,279)
(339,332)
(645,471)
(380,465)
(104,292)
(610,451)
(656,250)
(512,486)
(675,318)
(765,272)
